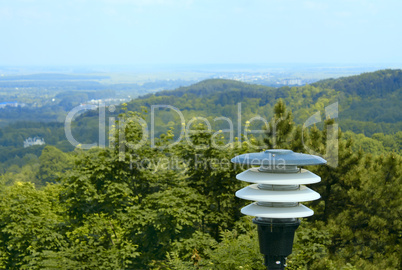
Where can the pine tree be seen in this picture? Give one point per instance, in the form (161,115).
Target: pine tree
(280,130)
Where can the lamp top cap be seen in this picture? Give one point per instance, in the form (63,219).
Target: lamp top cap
(275,156)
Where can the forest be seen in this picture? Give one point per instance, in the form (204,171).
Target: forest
(173,206)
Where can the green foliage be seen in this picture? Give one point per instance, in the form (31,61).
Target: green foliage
(212,86)
(29,224)
(34,235)
(16,174)
(236,251)
(133,206)
(162,218)
(336,179)
(280,128)
(310,247)
(97,244)
(99,183)
(379,83)
(368,103)
(53,164)
(371,229)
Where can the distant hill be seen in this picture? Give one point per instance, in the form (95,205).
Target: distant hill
(374,84)
(370,97)
(211,86)
(368,103)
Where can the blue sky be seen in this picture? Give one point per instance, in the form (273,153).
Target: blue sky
(135,32)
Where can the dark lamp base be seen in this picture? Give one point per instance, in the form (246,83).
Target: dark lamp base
(276,240)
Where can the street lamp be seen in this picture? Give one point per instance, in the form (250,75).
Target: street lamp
(277,192)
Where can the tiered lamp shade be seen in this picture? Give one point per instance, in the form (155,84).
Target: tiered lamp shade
(279,183)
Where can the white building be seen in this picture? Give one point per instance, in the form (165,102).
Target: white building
(33,141)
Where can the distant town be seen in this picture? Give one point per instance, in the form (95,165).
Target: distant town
(266,79)
(11,104)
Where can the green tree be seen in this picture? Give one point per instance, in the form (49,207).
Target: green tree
(335,180)
(29,224)
(98,243)
(214,176)
(280,129)
(368,230)
(53,165)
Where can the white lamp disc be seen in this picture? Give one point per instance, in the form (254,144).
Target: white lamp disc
(254,176)
(277,212)
(253,193)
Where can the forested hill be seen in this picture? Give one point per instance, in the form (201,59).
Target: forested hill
(211,86)
(378,84)
(375,97)
(369,103)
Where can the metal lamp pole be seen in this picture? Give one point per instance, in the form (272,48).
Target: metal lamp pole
(277,190)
